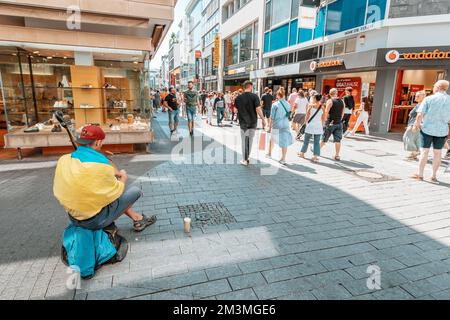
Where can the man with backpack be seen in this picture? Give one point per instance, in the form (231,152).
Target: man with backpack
(92,190)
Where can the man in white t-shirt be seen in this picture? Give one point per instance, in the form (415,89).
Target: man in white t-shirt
(300,110)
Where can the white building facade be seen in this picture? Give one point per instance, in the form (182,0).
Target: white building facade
(241,35)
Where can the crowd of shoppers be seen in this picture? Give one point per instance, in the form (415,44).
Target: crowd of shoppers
(312,117)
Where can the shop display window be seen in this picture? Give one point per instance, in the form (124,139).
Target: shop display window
(33,88)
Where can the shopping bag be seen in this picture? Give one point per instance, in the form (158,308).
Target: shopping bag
(262,141)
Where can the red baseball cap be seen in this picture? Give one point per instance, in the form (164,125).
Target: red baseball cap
(90,134)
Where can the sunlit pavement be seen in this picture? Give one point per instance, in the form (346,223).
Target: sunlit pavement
(301,231)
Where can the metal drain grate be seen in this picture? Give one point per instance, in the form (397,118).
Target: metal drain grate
(207,214)
(372,176)
(376,153)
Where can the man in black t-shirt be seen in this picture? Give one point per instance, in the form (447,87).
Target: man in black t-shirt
(266,102)
(349,103)
(171,104)
(249,107)
(334,113)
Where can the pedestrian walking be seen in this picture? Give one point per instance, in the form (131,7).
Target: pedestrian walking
(157,103)
(227,98)
(315,120)
(181,105)
(300,111)
(249,108)
(349,103)
(334,111)
(432,120)
(279,126)
(363,116)
(411,137)
(163,98)
(192,101)
(171,104)
(233,108)
(209,104)
(219,105)
(292,98)
(203,98)
(266,103)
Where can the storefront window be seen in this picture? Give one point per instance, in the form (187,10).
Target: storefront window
(255,40)
(196,15)
(246,44)
(328,50)
(268,16)
(339,47)
(344,15)
(376,10)
(279,37)
(35,86)
(294,9)
(307,54)
(237,5)
(320,23)
(280,60)
(281,11)
(266,41)
(350,45)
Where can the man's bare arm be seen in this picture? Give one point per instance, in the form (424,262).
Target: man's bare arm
(261,115)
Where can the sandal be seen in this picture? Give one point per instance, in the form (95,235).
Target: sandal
(337,158)
(143,223)
(417,177)
(434,180)
(315,160)
(301,155)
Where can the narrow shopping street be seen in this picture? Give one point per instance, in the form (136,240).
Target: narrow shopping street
(300,231)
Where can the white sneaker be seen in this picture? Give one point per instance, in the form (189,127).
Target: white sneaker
(244,163)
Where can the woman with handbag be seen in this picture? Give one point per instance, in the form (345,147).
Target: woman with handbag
(279,116)
(411,138)
(315,121)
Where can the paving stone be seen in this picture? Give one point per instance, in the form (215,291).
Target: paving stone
(395,293)
(254,266)
(223,272)
(441,295)
(336,264)
(207,289)
(247,281)
(331,292)
(420,288)
(245,294)
(307,295)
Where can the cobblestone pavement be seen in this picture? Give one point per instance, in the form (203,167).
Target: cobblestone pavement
(302,231)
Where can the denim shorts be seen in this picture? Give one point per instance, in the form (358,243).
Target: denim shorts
(335,130)
(173,116)
(111,212)
(426,141)
(191,111)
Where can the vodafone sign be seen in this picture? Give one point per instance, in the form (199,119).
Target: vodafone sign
(314,65)
(393,56)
